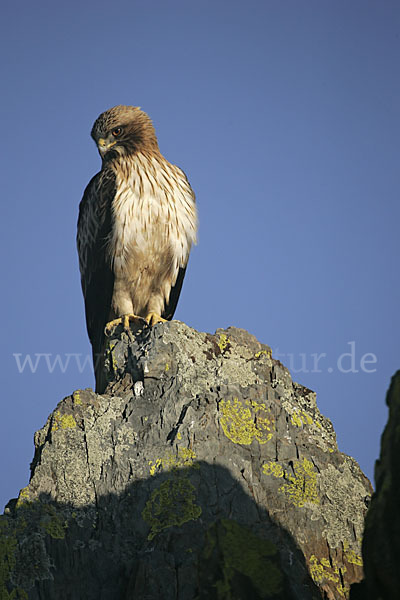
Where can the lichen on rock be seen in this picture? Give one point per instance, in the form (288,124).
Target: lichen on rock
(172,503)
(202,471)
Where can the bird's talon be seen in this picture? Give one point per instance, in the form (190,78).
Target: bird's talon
(152,318)
(124,320)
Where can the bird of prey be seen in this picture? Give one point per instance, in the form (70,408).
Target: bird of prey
(137,222)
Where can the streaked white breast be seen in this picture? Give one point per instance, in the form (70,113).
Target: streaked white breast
(154,209)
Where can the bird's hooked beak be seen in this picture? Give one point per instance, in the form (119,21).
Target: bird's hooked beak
(103,145)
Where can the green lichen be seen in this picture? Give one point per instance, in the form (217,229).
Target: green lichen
(55,527)
(172,503)
(243,423)
(62,421)
(232,550)
(8,545)
(111,357)
(299,488)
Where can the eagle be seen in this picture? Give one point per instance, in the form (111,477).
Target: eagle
(137,223)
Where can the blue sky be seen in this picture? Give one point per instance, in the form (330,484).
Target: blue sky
(285,117)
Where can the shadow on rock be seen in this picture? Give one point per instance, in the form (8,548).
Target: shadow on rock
(190,533)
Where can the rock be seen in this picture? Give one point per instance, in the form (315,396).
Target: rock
(381,544)
(202,472)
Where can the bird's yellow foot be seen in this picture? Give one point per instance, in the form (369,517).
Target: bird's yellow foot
(153,318)
(124,320)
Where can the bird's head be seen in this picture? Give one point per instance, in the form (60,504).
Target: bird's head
(124,130)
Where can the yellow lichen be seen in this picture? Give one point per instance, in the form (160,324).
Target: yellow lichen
(77,397)
(23,497)
(183,458)
(166,367)
(62,421)
(316,569)
(343,590)
(244,423)
(351,556)
(154,466)
(300,418)
(273,468)
(334,569)
(179,435)
(326,570)
(263,352)
(300,487)
(223,342)
(295,420)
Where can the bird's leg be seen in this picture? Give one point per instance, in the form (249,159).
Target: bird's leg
(124,320)
(153,318)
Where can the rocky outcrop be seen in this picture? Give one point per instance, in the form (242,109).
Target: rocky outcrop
(202,472)
(381,544)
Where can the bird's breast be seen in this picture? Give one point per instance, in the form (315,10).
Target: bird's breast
(154,217)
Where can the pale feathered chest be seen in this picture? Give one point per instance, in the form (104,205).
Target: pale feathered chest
(153,215)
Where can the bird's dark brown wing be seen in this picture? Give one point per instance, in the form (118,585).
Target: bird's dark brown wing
(97,278)
(170,308)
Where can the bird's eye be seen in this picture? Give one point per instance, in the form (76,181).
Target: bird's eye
(117,131)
